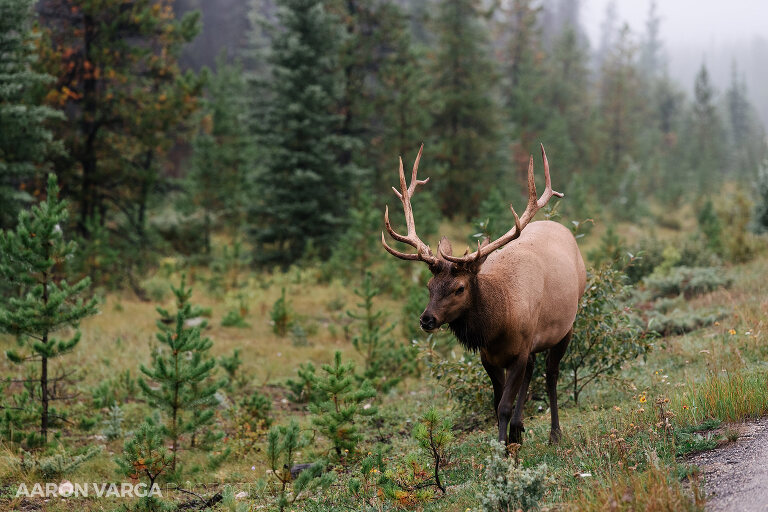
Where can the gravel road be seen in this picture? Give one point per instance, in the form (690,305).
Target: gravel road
(736,475)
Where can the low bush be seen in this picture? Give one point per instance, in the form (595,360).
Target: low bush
(507,486)
(688,281)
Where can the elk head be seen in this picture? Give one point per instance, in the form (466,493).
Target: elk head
(453,287)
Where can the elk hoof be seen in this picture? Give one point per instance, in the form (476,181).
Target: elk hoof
(555,436)
(516,434)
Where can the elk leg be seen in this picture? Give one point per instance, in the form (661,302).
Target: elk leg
(497,380)
(515,375)
(553,372)
(516,425)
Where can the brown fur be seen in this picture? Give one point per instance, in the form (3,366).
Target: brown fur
(509,300)
(520,301)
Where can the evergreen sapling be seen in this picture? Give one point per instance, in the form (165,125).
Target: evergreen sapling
(181,373)
(32,259)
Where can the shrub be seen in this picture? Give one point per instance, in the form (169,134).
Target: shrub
(510,487)
(231,365)
(687,281)
(55,466)
(464,379)
(760,214)
(605,336)
(681,322)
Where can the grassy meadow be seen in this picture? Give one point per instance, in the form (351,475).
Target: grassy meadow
(623,447)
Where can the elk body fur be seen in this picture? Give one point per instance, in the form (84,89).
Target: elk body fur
(508,304)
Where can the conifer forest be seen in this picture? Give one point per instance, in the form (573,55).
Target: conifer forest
(203,299)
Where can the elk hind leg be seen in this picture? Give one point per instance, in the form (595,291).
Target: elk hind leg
(516,425)
(553,372)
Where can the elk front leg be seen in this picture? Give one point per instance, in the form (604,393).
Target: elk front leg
(514,379)
(553,372)
(516,425)
(497,380)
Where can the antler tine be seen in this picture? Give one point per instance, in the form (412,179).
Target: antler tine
(533,206)
(547,178)
(398,254)
(411,238)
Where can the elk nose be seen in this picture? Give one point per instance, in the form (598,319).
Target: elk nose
(428,322)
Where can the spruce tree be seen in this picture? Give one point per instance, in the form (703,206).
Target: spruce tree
(181,374)
(33,260)
(706,158)
(465,123)
(303,191)
(25,141)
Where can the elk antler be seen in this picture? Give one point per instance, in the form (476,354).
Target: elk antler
(533,206)
(423,252)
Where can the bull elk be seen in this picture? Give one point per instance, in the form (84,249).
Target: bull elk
(510,299)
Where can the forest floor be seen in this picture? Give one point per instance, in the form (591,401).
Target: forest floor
(626,443)
(736,474)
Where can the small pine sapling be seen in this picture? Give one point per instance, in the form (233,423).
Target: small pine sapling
(434,434)
(281,315)
(33,257)
(231,364)
(365,488)
(250,419)
(145,457)
(305,390)
(282,445)
(386,361)
(345,405)
(113,424)
(182,372)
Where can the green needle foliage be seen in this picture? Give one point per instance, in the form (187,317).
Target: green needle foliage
(345,405)
(386,361)
(25,141)
(434,433)
(182,371)
(145,457)
(282,445)
(31,261)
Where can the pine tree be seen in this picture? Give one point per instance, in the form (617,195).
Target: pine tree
(25,141)
(465,121)
(747,136)
(303,190)
(345,404)
(221,152)
(145,457)
(32,260)
(181,374)
(386,361)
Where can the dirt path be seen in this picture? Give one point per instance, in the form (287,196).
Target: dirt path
(736,475)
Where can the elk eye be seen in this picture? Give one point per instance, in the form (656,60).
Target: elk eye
(460,290)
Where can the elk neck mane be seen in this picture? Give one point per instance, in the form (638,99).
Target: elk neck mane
(471,328)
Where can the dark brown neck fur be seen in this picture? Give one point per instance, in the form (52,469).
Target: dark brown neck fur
(469,328)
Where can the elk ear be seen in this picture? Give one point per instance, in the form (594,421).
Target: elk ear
(444,247)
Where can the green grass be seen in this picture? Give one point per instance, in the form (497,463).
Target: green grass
(626,434)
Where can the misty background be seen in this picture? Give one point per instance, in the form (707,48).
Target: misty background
(724,36)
